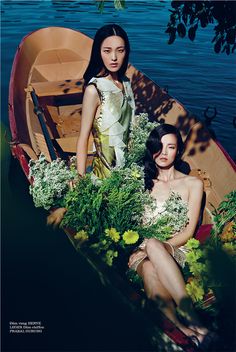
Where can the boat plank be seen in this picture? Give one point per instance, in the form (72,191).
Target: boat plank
(56,88)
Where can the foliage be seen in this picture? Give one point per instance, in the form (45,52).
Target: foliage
(211,265)
(110,215)
(108,210)
(196,261)
(50,181)
(94,205)
(187,16)
(139,132)
(84,204)
(225,217)
(112,245)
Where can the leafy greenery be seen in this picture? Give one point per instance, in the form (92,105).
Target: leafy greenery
(211,265)
(117,201)
(225,213)
(109,215)
(112,212)
(187,16)
(84,206)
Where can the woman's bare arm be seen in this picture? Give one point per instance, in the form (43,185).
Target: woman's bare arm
(89,107)
(194,203)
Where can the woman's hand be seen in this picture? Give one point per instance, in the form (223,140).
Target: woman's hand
(136,256)
(56,217)
(143,244)
(72,184)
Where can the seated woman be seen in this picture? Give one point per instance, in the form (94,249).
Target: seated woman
(158,263)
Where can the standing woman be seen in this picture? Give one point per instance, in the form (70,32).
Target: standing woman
(108,106)
(159,263)
(108,103)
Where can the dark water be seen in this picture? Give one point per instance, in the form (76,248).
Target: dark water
(43,278)
(194,74)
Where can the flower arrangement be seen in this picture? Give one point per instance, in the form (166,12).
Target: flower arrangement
(111,212)
(108,211)
(50,181)
(112,244)
(139,132)
(108,215)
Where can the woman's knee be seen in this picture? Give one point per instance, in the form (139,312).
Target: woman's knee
(154,245)
(147,272)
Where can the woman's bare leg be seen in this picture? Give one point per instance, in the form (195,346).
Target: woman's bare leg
(156,291)
(172,280)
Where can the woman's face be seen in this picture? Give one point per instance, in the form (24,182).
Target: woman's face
(167,155)
(113,53)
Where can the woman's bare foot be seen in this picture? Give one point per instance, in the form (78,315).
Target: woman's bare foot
(196,337)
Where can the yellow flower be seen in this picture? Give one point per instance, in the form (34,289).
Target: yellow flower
(113,234)
(192,243)
(130,237)
(81,236)
(229,248)
(135,174)
(197,269)
(109,256)
(193,256)
(195,290)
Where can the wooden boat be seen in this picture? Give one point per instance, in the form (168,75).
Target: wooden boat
(50,62)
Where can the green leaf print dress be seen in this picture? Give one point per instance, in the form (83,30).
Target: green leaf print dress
(111,128)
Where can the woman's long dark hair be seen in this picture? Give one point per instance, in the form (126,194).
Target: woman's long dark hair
(96,65)
(153,146)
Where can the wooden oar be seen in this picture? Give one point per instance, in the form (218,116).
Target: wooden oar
(38,111)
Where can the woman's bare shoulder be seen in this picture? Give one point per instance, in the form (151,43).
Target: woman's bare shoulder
(91,95)
(194,182)
(190,181)
(91,91)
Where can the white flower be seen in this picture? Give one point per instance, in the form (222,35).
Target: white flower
(50,181)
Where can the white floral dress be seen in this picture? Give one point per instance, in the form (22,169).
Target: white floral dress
(150,217)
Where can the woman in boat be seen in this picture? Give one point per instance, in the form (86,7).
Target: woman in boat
(107,108)
(108,102)
(158,263)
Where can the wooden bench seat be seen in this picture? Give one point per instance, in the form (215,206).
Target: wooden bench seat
(43,89)
(68,144)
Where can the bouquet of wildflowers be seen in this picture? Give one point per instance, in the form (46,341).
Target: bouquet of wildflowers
(112,244)
(50,181)
(106,213)
(139,132)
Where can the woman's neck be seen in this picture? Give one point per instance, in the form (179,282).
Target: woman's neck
(166,175)
(114,76)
